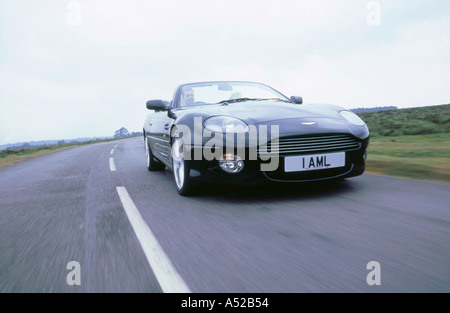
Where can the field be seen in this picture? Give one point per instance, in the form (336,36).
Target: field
(16,155)
(412,143)
(424,157)
(413,121)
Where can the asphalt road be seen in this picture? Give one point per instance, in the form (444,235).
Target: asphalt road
(66,207)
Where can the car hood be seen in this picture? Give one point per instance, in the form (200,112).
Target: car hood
(256,112)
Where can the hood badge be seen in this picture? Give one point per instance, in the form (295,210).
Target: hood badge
(308,123)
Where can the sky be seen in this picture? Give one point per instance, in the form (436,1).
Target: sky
(85,68)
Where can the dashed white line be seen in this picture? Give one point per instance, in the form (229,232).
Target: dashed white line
(112,166)
(112,151)
(115,146)
(167,276)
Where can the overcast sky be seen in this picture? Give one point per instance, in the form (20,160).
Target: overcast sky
(86,68)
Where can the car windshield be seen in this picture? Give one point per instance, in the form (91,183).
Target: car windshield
(226,92)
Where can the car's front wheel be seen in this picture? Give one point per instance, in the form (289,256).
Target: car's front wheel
(181,167)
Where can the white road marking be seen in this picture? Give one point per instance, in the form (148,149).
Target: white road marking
(112,151)
(115,146)
(167,276)
(112,166)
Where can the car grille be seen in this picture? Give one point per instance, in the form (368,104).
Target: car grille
(301,145)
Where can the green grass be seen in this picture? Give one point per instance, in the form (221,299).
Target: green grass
(411,143)
(413,121)
(424,157)
(15,155)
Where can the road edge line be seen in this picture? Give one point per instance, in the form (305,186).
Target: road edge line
(167,276)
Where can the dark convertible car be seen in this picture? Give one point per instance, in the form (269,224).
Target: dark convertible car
(247,133)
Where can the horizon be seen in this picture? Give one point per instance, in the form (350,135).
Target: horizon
(69,140)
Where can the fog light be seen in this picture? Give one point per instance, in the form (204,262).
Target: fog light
(231,163)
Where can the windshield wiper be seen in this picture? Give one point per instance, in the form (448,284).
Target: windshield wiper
(278,99)
(224,102)
(237,100)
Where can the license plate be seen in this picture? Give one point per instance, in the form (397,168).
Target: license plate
(314,162)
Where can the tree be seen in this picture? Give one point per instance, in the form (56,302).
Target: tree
(123,132)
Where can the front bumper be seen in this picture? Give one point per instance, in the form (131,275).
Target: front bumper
(209,171)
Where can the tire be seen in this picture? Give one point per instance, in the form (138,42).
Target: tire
(152,164)
(181,168)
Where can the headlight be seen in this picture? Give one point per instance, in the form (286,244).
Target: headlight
(352,118)
(225,124)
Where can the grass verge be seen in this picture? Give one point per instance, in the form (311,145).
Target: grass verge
(424,157)
(13,156)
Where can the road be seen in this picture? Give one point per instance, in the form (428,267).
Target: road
(77,205)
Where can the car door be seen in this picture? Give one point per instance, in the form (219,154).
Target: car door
(159,135)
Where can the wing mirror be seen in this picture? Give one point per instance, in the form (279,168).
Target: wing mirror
(297,99)
(158,105)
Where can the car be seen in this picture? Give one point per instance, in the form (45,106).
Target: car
(248,133)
